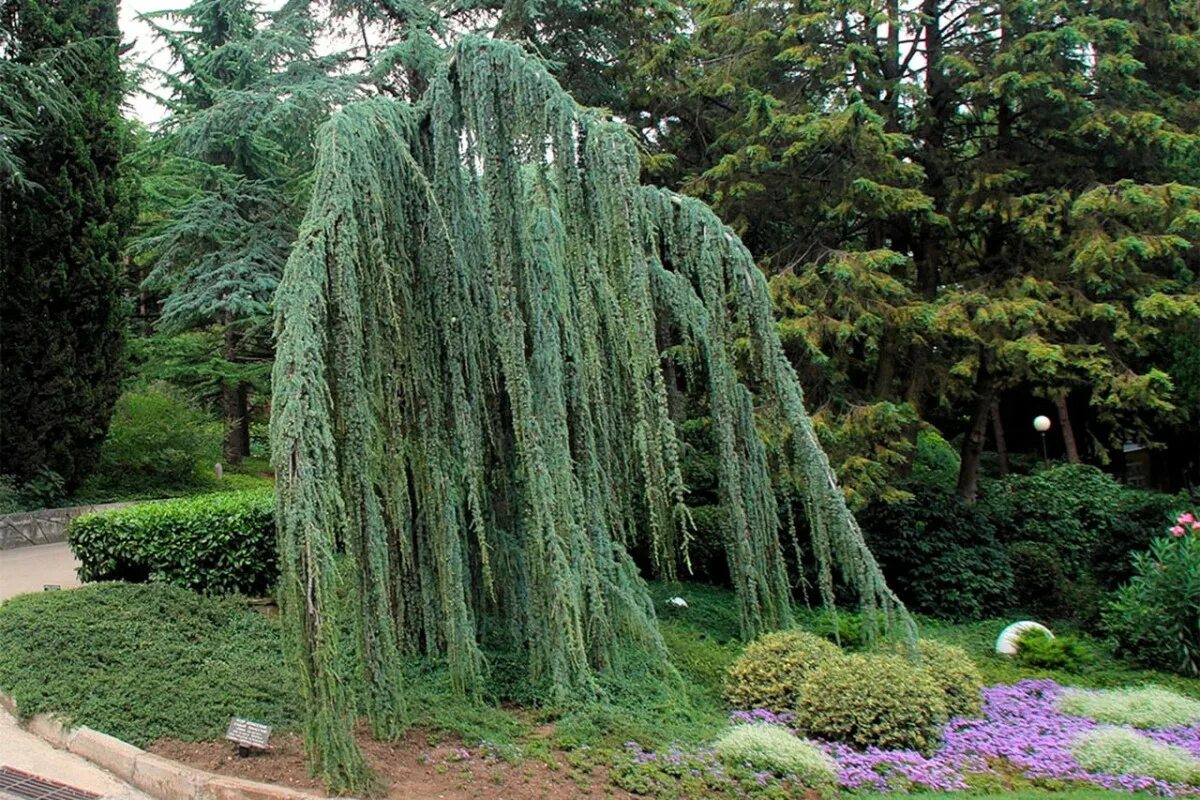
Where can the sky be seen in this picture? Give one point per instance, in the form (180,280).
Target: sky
(145,48)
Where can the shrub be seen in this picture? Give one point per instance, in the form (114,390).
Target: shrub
(1065,506)
(1038,578)
(770,670)
(156,443)
(841,627)
(213,543)
(939,554)
(1153,618)
(956,674)
(1120,751)
(936,462)
(1145,707)
(772,748)
(1064,653)
(872,700)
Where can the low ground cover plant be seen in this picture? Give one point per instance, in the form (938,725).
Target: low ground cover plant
(775,749)
(1140,707)
(215,544)
(142,662)
(1120,751)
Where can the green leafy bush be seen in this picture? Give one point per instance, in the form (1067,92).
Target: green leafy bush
(215,543)
(1145,707)
(771,748)
(872,701)
(770,670)
(144,662)
(1065,653)
(1120,751)
(956,674)
(844,628)
(939,554)
(1038,578)
(1155,618)
(936,462)
(1065,506)
(156,444)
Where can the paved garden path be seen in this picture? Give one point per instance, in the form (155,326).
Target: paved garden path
(29,569)
(24,751)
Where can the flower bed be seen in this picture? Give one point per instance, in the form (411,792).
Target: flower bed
(1021,729)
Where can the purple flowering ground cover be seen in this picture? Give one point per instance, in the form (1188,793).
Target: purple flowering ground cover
(1021,730)
(1021,727)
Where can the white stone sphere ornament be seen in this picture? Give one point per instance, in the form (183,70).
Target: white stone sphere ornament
(1006,642)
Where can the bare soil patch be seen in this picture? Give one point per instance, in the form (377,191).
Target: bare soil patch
(414,767)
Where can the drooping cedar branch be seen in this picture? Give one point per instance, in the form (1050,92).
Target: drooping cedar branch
(470,421)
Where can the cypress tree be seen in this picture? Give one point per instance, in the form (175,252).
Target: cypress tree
(61,230)
(470,423)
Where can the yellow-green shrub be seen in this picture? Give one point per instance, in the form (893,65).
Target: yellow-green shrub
(769,672)
(875,700)
(953,670)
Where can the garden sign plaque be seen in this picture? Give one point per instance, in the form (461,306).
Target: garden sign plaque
(248,735)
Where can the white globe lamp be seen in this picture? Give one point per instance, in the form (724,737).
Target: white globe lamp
(1041,424)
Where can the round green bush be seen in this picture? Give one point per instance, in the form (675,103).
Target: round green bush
(1144,707)
(772,748)
(770,670)
(1120,751)
(873,700)
(955,672)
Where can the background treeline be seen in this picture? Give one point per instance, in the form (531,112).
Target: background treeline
(971,212)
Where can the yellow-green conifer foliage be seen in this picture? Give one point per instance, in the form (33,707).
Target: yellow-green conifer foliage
(470,421)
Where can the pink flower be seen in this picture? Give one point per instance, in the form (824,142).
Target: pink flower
(1186,518)
(1177,530)
(1196,525)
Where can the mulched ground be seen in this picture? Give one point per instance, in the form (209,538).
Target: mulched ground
(412,768)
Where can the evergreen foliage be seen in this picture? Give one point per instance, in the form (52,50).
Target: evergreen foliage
(225,179)
(470,423)
(61,230)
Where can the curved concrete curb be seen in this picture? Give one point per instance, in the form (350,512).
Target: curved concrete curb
(157,776)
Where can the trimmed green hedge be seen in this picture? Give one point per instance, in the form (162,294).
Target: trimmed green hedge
(216,544)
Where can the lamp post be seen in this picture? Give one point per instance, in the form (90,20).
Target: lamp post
(1041,424)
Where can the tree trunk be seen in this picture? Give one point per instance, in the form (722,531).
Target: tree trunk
(234,409)
(998,434)
(972,448)
(1068,432)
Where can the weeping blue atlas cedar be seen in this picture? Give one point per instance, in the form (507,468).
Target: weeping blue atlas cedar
(470,423)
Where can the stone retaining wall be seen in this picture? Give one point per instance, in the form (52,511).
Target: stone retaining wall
(45,526)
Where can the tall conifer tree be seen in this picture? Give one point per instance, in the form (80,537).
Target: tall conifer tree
(61,232)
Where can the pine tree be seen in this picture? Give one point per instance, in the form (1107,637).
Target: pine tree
(61,232)
(228,180)
(470,421)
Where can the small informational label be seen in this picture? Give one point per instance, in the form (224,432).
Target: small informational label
(249,735)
